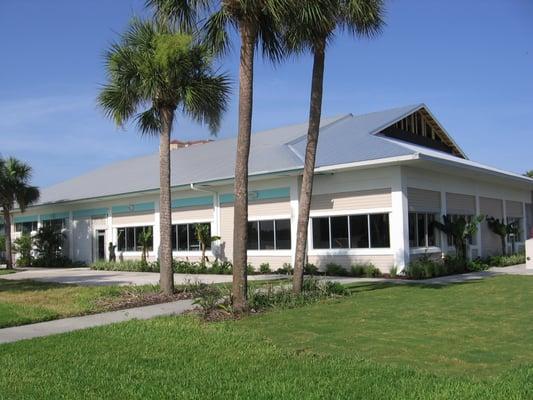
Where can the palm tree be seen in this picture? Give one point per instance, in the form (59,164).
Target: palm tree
(257,23)
(145,241)
(502,229)
(460,230)
(15,189)
(203,234)
(311,26)
(153,71)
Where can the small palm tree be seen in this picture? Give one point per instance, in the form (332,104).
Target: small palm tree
(15,190)
(460,230)
(154,72)
(257,23)
(502,229)
(145,241)
(311,26)
(203,234)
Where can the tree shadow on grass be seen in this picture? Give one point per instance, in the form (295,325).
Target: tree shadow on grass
(371,286)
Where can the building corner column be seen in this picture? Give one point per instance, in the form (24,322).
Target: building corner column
(399,221)
(294,194)
(156,232)
(71,235)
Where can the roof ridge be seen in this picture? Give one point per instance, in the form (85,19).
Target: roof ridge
(341,118)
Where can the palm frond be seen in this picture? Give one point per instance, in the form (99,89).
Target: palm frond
(149,122)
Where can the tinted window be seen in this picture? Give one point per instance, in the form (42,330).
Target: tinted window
(121,232)
(283,234)
(359,231)
(339,232)
(379,230)
(182,237)
(194,244)
(321,233)
(266,235)
(253,239)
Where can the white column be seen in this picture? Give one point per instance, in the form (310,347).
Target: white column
(478,234)
(156,230)
(524,223)
(110,232)
(295,208)
(216,215)
(70,236)
(399,221)
(443,211)
(504,210)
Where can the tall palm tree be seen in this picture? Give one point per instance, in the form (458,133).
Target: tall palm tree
(15,190)
(155,72)
(311,26)
(257,23)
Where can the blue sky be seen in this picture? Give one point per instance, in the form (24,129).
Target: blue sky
(470,61)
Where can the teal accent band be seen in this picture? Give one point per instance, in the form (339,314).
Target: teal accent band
(25,218)
(193,202)
(133,208)
(60,215)
(258,195)
(92,212)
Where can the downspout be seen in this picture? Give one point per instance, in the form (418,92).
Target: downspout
(216,206)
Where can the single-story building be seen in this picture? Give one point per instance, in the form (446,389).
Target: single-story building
(381,179)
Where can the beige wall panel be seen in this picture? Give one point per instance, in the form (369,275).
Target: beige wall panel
(269,208)
(226,231)
(490,242)
(423,200)
(274,261)
(383,262)
(460,204)
(367,199)
(146,218)
(514,209)
(192,214)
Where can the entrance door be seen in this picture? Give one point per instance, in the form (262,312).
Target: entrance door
(100,245)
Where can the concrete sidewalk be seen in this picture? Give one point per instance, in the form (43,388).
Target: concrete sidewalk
(48,328)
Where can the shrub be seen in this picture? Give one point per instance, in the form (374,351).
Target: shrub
(477,265)
(365,269)
(310,269)
(127,265)
(250,269)
(393,271)
(209,298)
(424,268)
(265,268)
(333,269)
(222,268)
(58,261)
(286,269)
(505,261)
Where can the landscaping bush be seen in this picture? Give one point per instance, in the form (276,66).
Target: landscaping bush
(333,269)
(127,265)
(365,269)
(393,271)
(311,269)
(57,261)
(24,246)
(209,298)
(286,269)
(505,261)
(221,268)
(265,268)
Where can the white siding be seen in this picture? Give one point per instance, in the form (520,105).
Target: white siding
(352,201)
(460,204)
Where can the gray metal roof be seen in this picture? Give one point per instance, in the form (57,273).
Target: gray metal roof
(343,139)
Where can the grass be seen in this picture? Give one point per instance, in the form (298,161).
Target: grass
(471,341)
(6,271)
(25,302)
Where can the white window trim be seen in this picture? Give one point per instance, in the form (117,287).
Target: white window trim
(185,253)
(133,253)
(422,250)
(326,213)
(377,251)
(270,252)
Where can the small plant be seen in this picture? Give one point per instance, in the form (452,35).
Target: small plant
(333,269)
(145,242)
(264,268)
(222,268)
(250,269)
(505,261)
(209,298)
(365,269)
(393,271)
(203,234)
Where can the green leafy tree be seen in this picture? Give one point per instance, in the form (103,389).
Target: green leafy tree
(529,173)
(311,27)
(203,234)
(502,229)
(15,190)
(155,72)
(48,244)
(460,230)
(257,23)
(23,245)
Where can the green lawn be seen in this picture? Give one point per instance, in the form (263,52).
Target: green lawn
(470,341)
(24,302)
(6,271)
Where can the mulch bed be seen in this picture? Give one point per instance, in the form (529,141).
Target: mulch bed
(132,300)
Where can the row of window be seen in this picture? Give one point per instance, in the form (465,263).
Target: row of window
(351,231)
(28,227)
(269,235)
(129,239)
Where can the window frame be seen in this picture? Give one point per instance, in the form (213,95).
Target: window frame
(426,245)
(352,250)
(134,228)
(176,250)
(274,220)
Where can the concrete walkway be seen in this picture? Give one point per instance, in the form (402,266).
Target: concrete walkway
(48,328)
(88,277)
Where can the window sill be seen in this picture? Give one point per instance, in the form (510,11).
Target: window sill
(351,252)
(423,250)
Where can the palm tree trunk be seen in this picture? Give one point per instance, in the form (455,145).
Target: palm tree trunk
(165,216)
(9,246)
(315,114)
(240,229)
